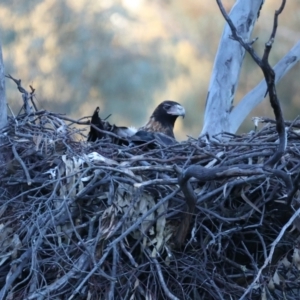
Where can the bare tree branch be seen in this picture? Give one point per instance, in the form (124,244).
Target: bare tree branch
(25,95)
(257,95)
(269,76)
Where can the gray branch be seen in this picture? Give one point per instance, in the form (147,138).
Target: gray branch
(257,95)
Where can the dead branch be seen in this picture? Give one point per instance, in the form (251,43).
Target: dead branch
(269,77)
(25,95)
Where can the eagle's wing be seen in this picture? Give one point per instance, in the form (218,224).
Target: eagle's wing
(143,136)
(94,134)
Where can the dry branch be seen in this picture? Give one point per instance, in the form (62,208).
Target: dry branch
(269,74)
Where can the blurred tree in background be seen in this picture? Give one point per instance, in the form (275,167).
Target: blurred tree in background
(128,55)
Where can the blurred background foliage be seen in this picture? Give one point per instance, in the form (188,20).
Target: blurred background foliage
(126,56)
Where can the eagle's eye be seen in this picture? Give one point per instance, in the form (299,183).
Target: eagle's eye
(167,106)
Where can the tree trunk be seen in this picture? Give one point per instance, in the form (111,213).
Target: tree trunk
(3,112)
(3,109)
(227,66)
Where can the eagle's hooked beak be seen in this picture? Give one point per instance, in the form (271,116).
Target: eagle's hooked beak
(176,110)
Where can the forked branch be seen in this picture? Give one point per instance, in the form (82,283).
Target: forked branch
(269,76)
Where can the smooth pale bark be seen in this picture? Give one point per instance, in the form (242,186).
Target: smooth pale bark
(3,109)
(256,96)
(227,67)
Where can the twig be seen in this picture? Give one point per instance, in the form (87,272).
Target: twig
(18,158)
(270,256)
(162,280)
(113,274)
(128,254)
(13,275)
(25,95)
(63,280)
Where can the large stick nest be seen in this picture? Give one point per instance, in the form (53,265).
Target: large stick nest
(103,221)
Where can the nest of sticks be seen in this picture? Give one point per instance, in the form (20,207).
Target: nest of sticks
(203,219)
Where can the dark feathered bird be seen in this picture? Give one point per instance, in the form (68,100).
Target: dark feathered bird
(141,137)
(106,127)
(95,134)
(163,118)
(159,127)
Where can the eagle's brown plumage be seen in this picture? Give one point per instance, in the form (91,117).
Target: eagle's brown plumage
(95,134)
(159,127)
(163,118)
(104,126)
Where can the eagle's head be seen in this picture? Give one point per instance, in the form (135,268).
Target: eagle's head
(164,117)
(168,110)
